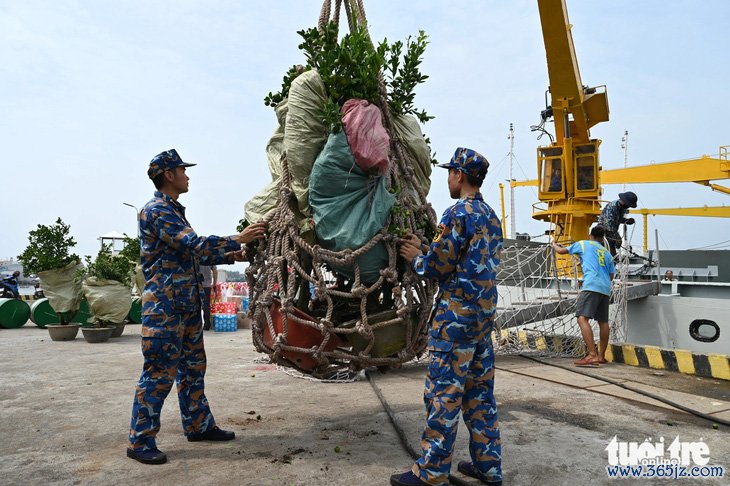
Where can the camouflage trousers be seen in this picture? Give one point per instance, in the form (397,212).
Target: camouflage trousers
(460,378)
(173,350)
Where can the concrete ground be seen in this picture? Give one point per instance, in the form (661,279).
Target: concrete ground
(65,409)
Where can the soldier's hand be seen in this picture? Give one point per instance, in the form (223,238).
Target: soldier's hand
(413,240)
(410,247)
(253,232)
(630,221)
(239,256)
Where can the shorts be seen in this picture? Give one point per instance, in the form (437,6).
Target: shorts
(592,305)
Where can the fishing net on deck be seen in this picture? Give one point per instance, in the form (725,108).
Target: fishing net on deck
(328,291)
(536,310)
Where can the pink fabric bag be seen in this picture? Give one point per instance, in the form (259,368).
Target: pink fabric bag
(369,142)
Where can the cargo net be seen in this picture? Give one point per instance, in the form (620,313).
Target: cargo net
(536,309)
(312,307)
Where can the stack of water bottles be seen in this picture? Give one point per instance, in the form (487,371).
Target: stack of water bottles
(224,317)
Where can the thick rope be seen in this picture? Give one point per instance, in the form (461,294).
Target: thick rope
(286,264)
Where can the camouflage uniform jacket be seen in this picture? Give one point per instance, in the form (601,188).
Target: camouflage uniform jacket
(612,216)
(171,257)
(464,257)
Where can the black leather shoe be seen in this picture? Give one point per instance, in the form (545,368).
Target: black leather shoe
(215,434)
(468,469)
(150,456)
(406,479)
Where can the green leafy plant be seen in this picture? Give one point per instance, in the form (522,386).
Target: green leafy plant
(109,267)
(132,249)
(242,225)
(398,213)
(273,99)
(403,74)
(251,248)
(350,69)
(48,248)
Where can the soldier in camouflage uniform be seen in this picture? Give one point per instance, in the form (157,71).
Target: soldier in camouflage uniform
(172,333)
(463,257)
(613,215)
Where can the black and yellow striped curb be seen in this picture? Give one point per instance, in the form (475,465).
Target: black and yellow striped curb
(27,297)
(680,360)
(537,341)
(654,357)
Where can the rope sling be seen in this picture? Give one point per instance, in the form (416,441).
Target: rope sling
(358,324)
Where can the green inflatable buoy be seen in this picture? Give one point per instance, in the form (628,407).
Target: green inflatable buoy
(14,313)
(42,314)
(135,312)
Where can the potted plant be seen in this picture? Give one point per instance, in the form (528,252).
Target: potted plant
(48,255)
(107,287)
(132,251)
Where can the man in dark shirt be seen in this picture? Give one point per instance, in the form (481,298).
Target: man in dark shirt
(613,215)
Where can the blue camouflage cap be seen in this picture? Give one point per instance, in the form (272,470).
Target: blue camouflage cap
(167,160)
(469,162)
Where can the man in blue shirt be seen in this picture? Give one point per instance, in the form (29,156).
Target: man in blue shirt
(593,301)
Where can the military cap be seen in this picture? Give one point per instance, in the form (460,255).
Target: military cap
(628,198)
(469,162)
(167,160)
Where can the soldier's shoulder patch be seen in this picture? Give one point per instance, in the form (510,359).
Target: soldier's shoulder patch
(439,232)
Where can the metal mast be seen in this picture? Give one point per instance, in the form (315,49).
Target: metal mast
(511,137)
(625,146)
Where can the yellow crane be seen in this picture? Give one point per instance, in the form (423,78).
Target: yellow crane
(568,169)
(569,173)
(702,211)
(701,170)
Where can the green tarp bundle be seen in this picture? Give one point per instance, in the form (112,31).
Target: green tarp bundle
(139,278)
(408,130)
(304,132)
(265,201)
(109,300)
(301,134)
(63,292)
(349,208)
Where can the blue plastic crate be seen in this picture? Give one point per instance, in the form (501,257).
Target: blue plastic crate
(225,323)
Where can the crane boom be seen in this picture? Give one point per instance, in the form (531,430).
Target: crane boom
(702,211)
(569,172)
(575,108)
(692,170)
(700,170)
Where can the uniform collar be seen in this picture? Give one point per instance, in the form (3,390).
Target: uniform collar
(477,196)
(169,200)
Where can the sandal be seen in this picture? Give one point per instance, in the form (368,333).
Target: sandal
(588,362)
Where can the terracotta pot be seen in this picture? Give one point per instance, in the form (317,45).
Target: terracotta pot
(118,329)
(65,332)
(299,335)
(97,334)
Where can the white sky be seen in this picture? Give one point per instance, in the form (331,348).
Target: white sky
(90,91)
